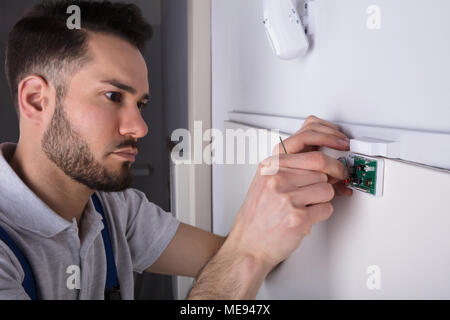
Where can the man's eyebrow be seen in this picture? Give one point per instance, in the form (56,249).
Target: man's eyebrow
(125,87)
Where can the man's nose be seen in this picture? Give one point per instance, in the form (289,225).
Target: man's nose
(132,123)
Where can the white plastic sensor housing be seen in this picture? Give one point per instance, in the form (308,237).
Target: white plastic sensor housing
(375,147)
(284,29)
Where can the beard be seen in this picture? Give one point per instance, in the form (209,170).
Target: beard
(70,152)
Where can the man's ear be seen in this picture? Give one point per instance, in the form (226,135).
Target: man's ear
(34,98)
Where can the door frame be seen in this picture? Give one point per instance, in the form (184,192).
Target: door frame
(199,107)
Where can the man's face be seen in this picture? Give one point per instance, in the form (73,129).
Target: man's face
(100,116)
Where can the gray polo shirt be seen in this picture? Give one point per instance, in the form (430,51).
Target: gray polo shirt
(69,263)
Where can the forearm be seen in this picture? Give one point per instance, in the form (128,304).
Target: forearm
(229,275)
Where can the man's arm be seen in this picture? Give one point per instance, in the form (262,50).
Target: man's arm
(187,253)
(280,208)
(10,279)
(230,274)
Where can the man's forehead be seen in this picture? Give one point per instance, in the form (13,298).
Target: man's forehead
(114,58)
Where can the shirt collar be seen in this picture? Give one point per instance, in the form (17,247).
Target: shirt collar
(20,205)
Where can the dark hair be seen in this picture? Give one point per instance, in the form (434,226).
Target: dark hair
(41,43)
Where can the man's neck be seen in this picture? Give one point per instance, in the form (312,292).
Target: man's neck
(62,194)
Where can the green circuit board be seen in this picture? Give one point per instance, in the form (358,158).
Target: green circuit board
(364,174)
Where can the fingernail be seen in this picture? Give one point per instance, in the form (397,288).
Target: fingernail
(343,142)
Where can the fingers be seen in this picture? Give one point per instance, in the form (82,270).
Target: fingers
(323,129)
(312,194)
(315,160)
(342,190)
(306,218)
(315,120)
(308,138)
(292,179)
(319,212)
(332,180)
(311,123)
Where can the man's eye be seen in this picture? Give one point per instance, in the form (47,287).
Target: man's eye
(114,96)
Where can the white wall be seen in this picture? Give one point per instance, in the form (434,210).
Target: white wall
(393,77)
(404,233)
(396,77)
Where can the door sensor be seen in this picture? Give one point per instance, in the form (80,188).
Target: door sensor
(366,173)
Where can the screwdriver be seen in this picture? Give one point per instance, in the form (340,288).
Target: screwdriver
(281,140)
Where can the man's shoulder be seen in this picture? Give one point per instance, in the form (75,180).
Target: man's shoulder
(131,203)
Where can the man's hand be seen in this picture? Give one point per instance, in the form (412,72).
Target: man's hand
(313,134)
(279,210)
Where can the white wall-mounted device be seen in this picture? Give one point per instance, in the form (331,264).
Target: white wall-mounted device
(285,29)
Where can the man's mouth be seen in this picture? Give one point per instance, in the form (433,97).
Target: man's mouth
(128,154)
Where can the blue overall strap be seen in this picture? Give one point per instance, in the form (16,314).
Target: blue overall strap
(28,283)
(112,288)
